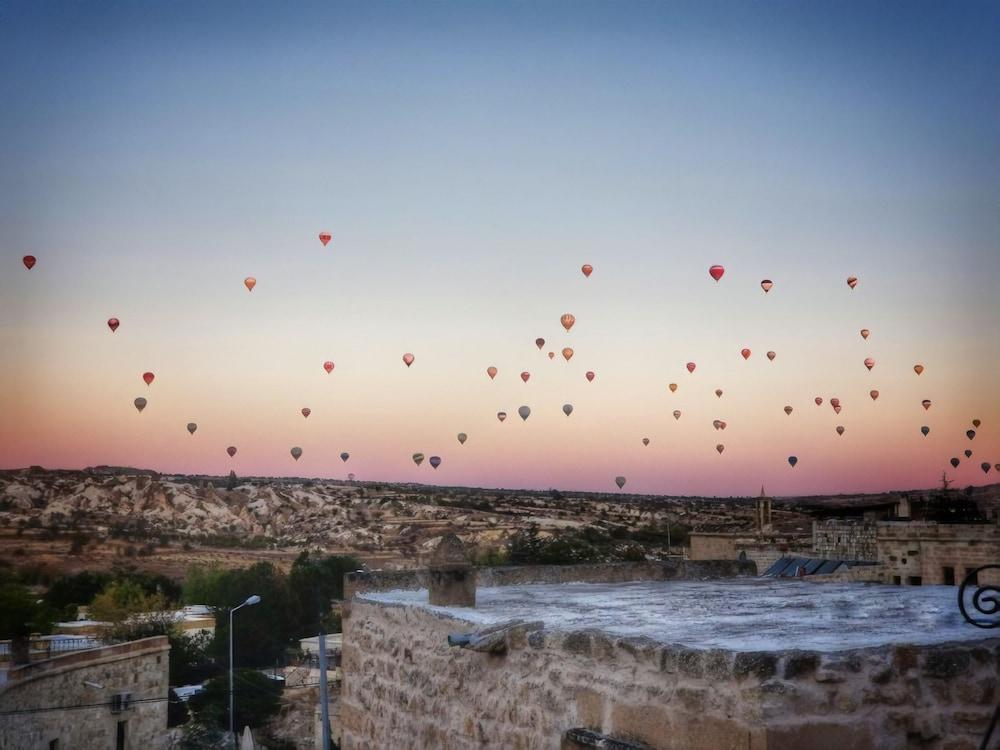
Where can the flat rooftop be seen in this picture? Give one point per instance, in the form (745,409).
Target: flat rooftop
(740,614)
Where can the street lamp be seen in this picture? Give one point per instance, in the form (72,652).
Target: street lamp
(251,600)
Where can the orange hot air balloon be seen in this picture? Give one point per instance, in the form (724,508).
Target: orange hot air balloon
(716,272)
(976,423)
(501,415)
(328,366)
(231,450)
(873,394)
(690,366)
(865,333)
(408,359)
(325,237)
(718,392)
(840,429)
(869,363)
(148,377)
(250,282)
(645,441)
(720,447)
(525,375)
(672,387)
(113,324)
(587,269)
(552,355)
(590,376)
(29,261)
(567,354)
(306,411)
(677,414)
(491,371)
(918,369)
(926,403)
(745,353)
(788,410)
(852,281)
(771,356)
(818,400)
(539,343)
(567,321)
(766,285)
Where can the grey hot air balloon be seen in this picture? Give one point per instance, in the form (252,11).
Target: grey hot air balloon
(524,411)
(296,452)
(462,437)
(792,460)
(925,429)
(620,481)
(192,427)
(140,404)
(344,456)
(567,409)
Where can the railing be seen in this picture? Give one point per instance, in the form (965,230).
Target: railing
(983,601)
(44,648)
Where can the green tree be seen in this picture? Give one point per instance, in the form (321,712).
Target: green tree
(120,600)
(21,613)
(257,699)
(316,582)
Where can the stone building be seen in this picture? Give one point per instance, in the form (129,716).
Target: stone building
(111,698)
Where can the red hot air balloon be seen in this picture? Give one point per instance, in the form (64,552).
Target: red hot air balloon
(113,324)
(766,285)
(567,321)
(491,371)
(328,366)
(771,356)
(587,269)
(306,411)
(869,363)
(408,359)
(852,281)
(231,450)
(250,282)
(590,376)
(525,375)
(722,425)
(148,377)
(539,343)
(873,394)
(840,429)
(690,366)
(926,403)
(29,261)
(716,272)
(325,237)
(818,400)
(745,353)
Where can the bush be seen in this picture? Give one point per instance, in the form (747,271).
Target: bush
(257,699)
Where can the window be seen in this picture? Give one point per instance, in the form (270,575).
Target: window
(897,581)
(120,739)
(914,580)
(948,573)
(54,744)
(975,578)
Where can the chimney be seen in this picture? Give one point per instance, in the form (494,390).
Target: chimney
(452,576)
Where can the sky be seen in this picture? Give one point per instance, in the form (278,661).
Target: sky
(468,158)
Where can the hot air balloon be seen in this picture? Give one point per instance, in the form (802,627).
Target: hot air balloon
(771,356)
(418,458)
(677,413)
(567,409)
(192,427)
(852,281)
(716,272)
(873,394)
(792,460)
(524,412)
(968,453)
(976,423)
(722,425)
(296,452)
(140,404)
(954,463)
(567,354)
(925,429)
(788,410)
(587,269)
(766,285)
(926,403)
(869,363)
(567,321)
(231,450)
(985,467)
(690,366)
(344,456)
(148,377)
(997,467)
(29,261)
(865,333)
(716,423)
(672,387)
(491,371)
(306,411)
(818,400)
(525,375)
(408,359)
(462,437)
(840,429)
(552,355)
(970,434)
(539,343)
(720,447)
(620,481)
(645,441)
(590,376)
(918,369)
(718,392)
(501,415)
(113,324)
(745,353)
(328,366)
(249,282)
(434,461)
(350,477)
(836,409)
(325,237)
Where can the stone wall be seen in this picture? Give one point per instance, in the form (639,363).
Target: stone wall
(404,687)
(52,690)
(845,540)
(919,552)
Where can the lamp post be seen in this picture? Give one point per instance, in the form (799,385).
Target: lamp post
(248,603)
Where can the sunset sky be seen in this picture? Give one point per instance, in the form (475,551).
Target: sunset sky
(468,158)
